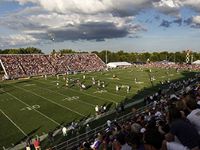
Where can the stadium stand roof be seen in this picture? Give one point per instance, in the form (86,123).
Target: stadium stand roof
(118,64)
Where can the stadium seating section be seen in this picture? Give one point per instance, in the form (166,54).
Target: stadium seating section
(17,66)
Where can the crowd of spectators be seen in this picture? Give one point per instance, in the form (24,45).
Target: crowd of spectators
(17,66)
(193,67)
(171,123)
(12,66)
(34,65)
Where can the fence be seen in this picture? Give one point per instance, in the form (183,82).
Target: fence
(69,144)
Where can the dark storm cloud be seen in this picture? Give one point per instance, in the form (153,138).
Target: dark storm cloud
(89,31)
(178,21)
(165,23)
(188,21)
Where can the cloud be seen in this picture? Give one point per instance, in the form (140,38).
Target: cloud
(169,7)
(188,21)
(193,22)
(167,24)
(69,25)
(92,29)
(194,4)
(178,21)
(196,19)
(119,7)
(89,19)
(17,40)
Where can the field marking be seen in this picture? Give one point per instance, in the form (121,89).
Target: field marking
(85,93)
(109,92)
(64,94)
(29,84)
(30,108)
(95,96)
(33,109)
(51,101)
(13,123)
(113,78)
(100,91)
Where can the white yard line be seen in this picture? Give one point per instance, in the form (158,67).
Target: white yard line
(51,101)
(33,109)
(13,123)
(94,96)
(88,94)
(68,96)
(65,95)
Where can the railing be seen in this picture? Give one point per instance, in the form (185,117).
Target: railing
(69,144)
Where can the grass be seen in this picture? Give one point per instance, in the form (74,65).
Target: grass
(36,105)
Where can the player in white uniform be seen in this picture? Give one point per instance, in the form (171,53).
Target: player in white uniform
(117,88)
(128,89)
(57,84)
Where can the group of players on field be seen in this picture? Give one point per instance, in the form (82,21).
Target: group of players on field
(100,85)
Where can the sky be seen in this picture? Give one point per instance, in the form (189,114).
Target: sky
(88,25)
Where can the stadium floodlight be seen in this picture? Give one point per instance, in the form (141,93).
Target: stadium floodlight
(52,38)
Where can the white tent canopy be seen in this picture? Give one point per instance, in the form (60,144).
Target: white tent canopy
(118,64)
(197,62)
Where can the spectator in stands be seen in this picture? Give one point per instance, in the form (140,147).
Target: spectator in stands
(35,64)
(183,130)
(160,127)
(123,142)
(28,147)
(152,137)
(50,137)
(87,129)
(36,144)
(97,142)
(194,115)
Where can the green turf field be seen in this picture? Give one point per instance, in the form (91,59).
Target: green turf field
(36,106)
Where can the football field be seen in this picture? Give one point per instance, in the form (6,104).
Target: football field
(37,105)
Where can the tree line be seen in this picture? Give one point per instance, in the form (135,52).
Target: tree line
(28,50)
(121,55)
(179,57)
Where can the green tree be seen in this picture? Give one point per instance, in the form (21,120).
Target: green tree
(67,51)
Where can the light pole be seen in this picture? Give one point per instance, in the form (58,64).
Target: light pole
(106,56)
(52,38)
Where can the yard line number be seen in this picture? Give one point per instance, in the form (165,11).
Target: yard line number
(30,108)
(71,98)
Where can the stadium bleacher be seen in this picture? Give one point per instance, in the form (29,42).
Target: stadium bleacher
(18,66)
(152,127)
